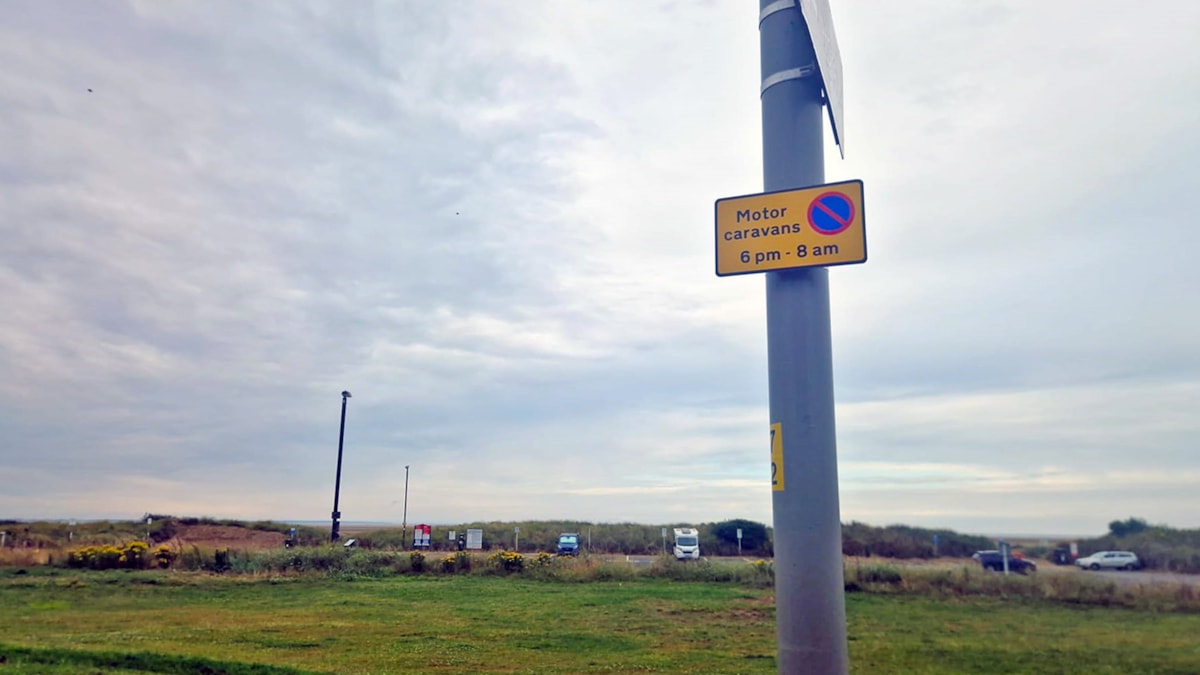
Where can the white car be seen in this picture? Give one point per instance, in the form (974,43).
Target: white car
(1111,560)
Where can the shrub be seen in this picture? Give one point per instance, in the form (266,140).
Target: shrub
(134,555)
(324,559)
(508,561)
(759,573)
(417,561)
(764,570)
(221,561)
(130,556)
(459,561)
(191,558)
(876,574)
(571,569)
(376,563)
(724,539)
(164,556)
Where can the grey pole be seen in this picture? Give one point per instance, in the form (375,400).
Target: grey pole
(810,606)
(404,518)
(335,531)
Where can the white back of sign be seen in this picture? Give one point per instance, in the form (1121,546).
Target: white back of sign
(829,61)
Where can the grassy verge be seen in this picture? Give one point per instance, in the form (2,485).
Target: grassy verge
(483,624)
(118,622)
(923,635)
(335,562)
(1068,589)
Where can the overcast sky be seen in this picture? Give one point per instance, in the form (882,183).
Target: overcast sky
(492,223)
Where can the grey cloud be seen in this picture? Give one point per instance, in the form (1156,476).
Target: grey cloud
(493,227)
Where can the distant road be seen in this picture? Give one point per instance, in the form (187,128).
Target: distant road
(1140,577)
(1143,577)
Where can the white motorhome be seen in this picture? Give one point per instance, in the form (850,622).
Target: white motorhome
(687,544)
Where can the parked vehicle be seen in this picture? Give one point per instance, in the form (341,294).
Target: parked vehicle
(687,543)
(1061,556)
(1110,560)
(994,560)
(568,543)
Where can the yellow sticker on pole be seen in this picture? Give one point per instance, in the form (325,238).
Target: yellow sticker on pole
(777,457)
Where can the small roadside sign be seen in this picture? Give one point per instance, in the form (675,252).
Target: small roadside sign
(818,226)
(474,540)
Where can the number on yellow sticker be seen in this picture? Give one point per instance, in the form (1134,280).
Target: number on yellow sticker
(777,457)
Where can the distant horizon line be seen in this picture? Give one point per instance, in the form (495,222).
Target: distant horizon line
(360,523)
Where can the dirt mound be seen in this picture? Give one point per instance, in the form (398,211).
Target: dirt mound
(225,536)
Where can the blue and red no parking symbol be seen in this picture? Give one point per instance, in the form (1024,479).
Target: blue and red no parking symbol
(831,213)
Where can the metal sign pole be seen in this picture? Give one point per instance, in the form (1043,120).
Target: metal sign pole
(810,606)
(404,518)
(335,530)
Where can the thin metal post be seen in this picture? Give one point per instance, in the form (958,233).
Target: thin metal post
(404,518)
(809,592)
(335,531)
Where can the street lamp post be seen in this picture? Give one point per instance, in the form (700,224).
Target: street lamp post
(404,518)
(334,533)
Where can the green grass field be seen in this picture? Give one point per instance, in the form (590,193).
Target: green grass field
(139,622)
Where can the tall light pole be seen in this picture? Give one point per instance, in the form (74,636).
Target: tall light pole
(404,518)
(334,533)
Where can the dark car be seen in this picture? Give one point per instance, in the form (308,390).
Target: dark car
(568,543)
(993,560)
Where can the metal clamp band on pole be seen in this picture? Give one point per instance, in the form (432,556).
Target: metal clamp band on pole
(777,6)
(785,75)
